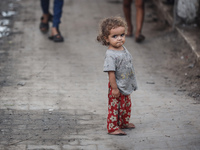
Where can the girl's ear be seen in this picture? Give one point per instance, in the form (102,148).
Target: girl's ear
(106,39)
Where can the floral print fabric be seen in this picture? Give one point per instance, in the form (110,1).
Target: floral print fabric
(119,111)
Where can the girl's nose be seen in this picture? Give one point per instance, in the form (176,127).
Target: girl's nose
(119,38)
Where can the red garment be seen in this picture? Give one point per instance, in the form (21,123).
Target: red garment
(119,111)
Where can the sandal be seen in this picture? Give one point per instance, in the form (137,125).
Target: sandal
(57,38)
(140,38)
(50,19)
(44,27)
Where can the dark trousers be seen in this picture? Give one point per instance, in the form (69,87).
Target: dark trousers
(57,10)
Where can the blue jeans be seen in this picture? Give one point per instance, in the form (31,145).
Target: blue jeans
(57,10)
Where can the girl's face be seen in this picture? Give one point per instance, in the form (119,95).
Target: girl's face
(116,38)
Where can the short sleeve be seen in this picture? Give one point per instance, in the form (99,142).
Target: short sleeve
(109,63)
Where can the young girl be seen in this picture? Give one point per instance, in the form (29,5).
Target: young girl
(122,82)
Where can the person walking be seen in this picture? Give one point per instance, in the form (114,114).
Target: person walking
(140,11)
(55,18)
(119,66)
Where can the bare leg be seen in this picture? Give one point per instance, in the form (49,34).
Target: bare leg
(45,18)
(139,4)
(127,14)
(54,31)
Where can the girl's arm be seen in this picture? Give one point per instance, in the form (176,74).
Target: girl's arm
(112,80)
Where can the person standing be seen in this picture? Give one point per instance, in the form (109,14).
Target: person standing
(119,66)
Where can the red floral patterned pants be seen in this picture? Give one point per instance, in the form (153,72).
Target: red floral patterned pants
(119,111)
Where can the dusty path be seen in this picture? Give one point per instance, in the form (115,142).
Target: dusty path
(54,96)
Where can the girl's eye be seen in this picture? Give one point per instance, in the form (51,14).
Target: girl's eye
(122,35)
(115,36)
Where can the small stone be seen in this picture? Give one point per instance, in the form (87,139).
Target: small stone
(22,83)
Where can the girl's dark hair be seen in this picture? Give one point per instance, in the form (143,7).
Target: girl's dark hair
(106,25)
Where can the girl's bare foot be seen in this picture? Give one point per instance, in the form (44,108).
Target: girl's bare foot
(130,126)
(118,132)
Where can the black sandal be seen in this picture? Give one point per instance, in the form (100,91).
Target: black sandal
(57,38)
(140,38)
(50,19)
(44,27)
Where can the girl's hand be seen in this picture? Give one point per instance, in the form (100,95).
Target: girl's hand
(115,90)
(115,93)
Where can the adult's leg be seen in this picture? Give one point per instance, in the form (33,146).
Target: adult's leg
(45,6)
(45,10)
(55,33)
(139,4)
(57,9)
(44,26)
(127,14)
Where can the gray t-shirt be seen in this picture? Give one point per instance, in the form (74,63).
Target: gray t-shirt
(121,62)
